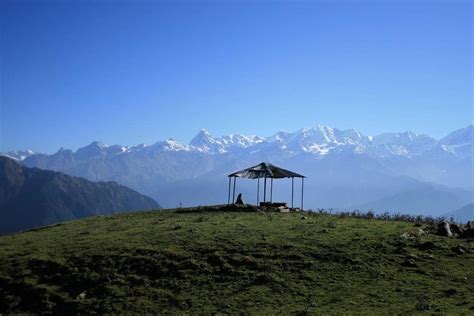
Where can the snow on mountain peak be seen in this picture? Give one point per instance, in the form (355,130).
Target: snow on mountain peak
(327,133)
(136,148)
(98,144)
(173,145)
(460,142)
(406,144)
(202,138)
(19,155)
(281,135)
(204,141)
(319,140)
(94,149)
(238,140)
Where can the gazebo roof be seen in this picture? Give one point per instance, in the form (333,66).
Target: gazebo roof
(265,170)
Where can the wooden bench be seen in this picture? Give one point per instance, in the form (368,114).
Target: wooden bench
(273,204)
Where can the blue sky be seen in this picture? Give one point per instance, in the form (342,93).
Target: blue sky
(138,72)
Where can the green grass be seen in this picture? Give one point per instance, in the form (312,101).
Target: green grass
(230,262)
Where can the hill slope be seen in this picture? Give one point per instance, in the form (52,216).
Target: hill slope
(167,262)
(424,200)
(463,214)
(31,197)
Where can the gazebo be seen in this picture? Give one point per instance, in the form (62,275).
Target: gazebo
(266,170)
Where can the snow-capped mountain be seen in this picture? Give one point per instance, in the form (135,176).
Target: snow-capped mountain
(344,167)
(460,142)
(205,142)
(322,140)
(459,137)
(166,145)
(18,155)
(406,144)
(96,149)
(318,141)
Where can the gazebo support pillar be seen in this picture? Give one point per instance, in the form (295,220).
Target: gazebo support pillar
(233,194)
(228,195)
(271,190)
(302,193)
(292,190)
(258,190)
(265,190)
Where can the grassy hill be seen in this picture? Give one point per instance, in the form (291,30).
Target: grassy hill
(229,262)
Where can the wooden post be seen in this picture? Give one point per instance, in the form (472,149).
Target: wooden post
(271,190)
(292,190)
(228,195)
(302,193)
(233,194)
(264,189)
(258,190)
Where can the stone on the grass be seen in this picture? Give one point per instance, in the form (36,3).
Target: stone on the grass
(444,229)
(468,230)
(426,246)
(459,249)
(409,262)
(456,229)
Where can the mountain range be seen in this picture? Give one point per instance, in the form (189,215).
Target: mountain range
(398,172)
(31,197)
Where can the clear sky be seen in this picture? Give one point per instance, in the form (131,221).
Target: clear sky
(141,71)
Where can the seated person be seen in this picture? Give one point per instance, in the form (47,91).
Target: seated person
(239,199)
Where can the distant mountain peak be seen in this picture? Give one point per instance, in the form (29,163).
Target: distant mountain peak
(171,145)
(19,155)
(204,141)
(459,137)
(202,138)
(96,148)
(98,144)
(204,131)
